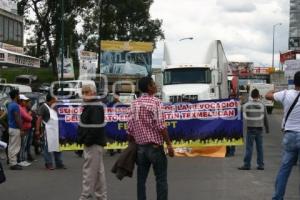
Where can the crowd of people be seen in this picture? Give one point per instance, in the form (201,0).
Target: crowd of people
(22,128)
(146,129)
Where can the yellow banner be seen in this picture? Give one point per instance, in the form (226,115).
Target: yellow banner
(182,146)
(107,45)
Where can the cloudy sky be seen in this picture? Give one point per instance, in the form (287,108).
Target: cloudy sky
(245,27)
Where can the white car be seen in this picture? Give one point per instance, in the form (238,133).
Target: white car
(71,89)
(5,88)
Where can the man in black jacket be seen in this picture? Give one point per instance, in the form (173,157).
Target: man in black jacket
(91,135)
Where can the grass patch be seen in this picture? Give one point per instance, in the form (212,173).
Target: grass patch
(44,74)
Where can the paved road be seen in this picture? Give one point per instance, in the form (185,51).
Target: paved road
(189,178)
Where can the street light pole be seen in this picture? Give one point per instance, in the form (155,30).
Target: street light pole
(187,38)
(274,26)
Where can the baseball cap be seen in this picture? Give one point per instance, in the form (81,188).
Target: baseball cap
(23,97)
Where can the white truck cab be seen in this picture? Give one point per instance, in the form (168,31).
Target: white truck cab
(192,75)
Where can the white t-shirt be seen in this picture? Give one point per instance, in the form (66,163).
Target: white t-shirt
(287,97)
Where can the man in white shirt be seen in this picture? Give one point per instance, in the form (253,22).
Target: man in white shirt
(291,139)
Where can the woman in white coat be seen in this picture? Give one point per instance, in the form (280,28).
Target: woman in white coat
(48,116)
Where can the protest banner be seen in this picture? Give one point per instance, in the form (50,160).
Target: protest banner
(190,125)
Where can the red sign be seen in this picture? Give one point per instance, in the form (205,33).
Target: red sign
(289,55)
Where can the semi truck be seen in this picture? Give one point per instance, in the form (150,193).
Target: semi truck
(194,71)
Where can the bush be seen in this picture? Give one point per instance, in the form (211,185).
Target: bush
(44,75)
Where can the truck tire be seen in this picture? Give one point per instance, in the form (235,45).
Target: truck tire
(269,110)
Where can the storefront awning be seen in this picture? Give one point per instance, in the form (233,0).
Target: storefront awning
(16,59)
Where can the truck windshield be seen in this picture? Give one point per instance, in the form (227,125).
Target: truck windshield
(187,76)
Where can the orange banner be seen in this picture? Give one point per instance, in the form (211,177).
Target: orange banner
(215,151)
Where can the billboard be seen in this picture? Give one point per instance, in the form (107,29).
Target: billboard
(292,66)
(68,68)
(12,58)
(289,55)
(126,58)
(261,70)
(240,68)
(88,65)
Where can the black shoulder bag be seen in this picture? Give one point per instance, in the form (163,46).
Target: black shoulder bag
(290,110)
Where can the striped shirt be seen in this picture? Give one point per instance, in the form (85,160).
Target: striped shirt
(146,120)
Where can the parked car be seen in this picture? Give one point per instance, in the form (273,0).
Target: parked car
(44,87)
(3,80)
(71,89)
(5,88)
(26,79)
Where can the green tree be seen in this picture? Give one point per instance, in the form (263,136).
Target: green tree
(121,20)
(47,26)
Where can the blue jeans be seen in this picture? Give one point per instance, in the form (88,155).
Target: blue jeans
(254,135)
(291,150)
(29,141)
(49,158)
(22,156)
(147,155)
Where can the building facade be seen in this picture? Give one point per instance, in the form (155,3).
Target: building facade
(12,38)
(11,25)
(294,33)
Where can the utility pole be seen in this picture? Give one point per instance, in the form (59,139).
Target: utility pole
(100,4)
(62,44)
(274,26)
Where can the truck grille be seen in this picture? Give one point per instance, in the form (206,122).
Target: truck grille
(183,98)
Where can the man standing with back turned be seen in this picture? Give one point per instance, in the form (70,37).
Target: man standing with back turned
(91,134)
(291,138)
(146,127)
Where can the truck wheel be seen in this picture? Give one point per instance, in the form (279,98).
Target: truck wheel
(269,110)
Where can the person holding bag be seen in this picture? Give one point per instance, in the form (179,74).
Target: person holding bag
(147,129)
(291,138)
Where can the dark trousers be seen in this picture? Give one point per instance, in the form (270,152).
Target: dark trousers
(148,155)
(254,135)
